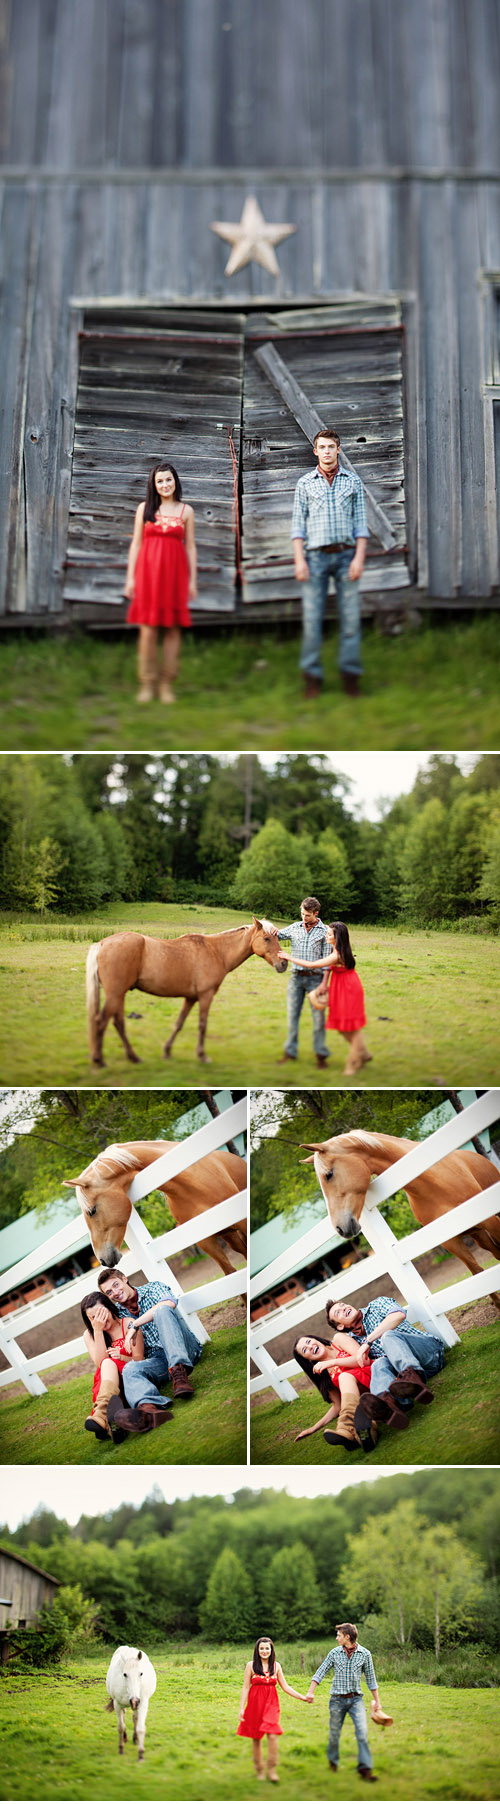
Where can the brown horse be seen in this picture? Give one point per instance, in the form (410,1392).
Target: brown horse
(193,966)
(102,1193)
(345,1165)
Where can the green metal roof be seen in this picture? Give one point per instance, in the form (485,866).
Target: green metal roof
(34,1230)
(278,1235)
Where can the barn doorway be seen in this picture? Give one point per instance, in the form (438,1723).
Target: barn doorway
(232,399)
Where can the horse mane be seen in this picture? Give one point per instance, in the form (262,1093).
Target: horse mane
(363,1137)
(111,1162)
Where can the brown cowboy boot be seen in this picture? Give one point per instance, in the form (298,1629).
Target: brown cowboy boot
(411,1383)
(97,1423)
(345,1434)
(381,1408)
(123,1420)
(155,1415)
(180,1381)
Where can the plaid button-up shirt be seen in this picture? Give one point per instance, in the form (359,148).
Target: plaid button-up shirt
(376,1312)
(307,945)
(347,1670)
(329,514)
(147,1294)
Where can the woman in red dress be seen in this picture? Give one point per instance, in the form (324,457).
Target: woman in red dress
(161,579)
(342,989)
(339,1373)
(110,1343)
(259,1705)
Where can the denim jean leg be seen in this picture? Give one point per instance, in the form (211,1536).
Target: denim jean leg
(319,1037)
(314,595)
(400,1351)
(180,1345)
(348,604)
(294,1002)
(357,1714)
(338,1707)
(141,1378)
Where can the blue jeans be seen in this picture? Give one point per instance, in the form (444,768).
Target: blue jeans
(322,564)
(425,1351)
(179,1346)
(299,984)
(354,1707)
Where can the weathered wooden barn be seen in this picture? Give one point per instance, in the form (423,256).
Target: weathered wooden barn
(24,1589)
(368,132)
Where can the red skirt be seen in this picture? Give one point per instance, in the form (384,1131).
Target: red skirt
(262,1711)
(346,1003)
(161,578)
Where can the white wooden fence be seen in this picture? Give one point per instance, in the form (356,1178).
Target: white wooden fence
(390,1256)
(144,1252)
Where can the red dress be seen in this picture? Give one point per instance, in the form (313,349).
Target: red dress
(362,1374)
(262,1709)
(346,1003)
(123,1359)
(161,576)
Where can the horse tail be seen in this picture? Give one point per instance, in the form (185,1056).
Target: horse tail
(93,994)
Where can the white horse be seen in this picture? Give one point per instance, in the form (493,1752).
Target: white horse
(130,1679)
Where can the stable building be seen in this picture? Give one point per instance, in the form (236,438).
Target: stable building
(225,222)
(24,1589)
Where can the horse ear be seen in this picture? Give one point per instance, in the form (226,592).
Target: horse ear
(139,1655)
(70,1183)
(256,922)
(312,1146)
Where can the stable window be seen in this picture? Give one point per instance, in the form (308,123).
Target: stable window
(233,399)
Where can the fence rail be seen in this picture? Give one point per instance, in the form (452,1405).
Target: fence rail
(144,1251)
(389,1256)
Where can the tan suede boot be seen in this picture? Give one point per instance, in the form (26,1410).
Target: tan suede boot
(170,663)
(344,1435)
(146,663)
(98,1423)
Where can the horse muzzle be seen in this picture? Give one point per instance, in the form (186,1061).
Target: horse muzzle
(108,1255)
(348,1227)
(280,965)
(134,1703)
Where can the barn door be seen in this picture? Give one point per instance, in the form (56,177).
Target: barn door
(338,365)
(154,382)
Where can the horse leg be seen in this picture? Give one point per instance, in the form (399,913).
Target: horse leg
(185,1011)
(115,1010)
(203,1008)
(215,1251)
(463,1252)
(122,1733)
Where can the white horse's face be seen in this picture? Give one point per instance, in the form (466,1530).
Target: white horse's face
(342,1174)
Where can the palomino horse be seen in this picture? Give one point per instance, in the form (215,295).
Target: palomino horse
(102,1193)
(193,966)
(345,1165)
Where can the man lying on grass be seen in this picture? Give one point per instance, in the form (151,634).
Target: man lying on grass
(171,1347)
(402,1359)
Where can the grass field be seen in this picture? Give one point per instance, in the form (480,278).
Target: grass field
(437,687)
(441,1744)
(210,1429)
(460,1428)
(432,1007)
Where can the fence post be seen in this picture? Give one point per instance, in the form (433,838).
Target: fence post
(270,1370)
(140,1241)
(412,1286)
(20,1366)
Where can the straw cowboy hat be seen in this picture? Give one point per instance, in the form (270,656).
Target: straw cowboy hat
(379,1716)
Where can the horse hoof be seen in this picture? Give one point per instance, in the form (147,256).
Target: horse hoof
(141,1753)
(133,1058)
(167,1052)
(100,1062)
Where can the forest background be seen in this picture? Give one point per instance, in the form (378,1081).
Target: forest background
(80,832)
(415,1558)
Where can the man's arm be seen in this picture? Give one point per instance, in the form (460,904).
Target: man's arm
(299,533)
(284,933)
(361,534)
(321,1671)
(389,1321)
(369,1672)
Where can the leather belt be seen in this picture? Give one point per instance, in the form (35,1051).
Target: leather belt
(342,545)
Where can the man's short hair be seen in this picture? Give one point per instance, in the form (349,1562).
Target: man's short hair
(110,1271)
(311,902)
(326,432)
(348,1628)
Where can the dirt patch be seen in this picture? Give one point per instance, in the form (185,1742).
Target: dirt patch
(224,1315)
(473,1315)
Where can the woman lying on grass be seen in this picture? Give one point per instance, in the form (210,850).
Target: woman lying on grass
(110,1343)
(338,1370)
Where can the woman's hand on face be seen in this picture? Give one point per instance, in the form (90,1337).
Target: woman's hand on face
(100,1317)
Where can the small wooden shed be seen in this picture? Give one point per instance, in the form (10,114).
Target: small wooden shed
(368,132)
(24,1589)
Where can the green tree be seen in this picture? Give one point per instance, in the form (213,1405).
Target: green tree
(450,1584)
(424,869)
(227,1609)
(273,873)
(419,1575)
(41,887)
(290,1596)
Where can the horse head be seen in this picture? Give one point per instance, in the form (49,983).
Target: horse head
(342,1168)
(266,944)
(102,1195)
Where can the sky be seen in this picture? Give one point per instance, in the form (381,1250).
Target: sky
(382,775)
(75,1493)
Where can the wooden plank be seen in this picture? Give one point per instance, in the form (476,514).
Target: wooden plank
(269,360)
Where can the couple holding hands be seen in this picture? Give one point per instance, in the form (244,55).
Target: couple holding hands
(316,948)
(260,1710)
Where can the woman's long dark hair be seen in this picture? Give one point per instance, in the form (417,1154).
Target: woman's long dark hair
(152,497)
(257,1662)
(96,1296)
(343,944)
(320,1379)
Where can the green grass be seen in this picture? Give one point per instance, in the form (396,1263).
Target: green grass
(209,1429)
(441,1745)
(437,687)
(431,1005)
(460,1428)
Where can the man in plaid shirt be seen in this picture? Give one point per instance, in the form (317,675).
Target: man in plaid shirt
(308,941)
(329,535)
(349,1661)
(171,1346)
(403,1358)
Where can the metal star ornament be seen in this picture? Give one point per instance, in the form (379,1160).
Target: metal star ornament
(252,239)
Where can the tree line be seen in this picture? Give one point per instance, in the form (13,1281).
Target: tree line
(417,1558)
(80,832)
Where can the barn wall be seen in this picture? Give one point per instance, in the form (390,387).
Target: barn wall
(28,1591)
(129,125)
